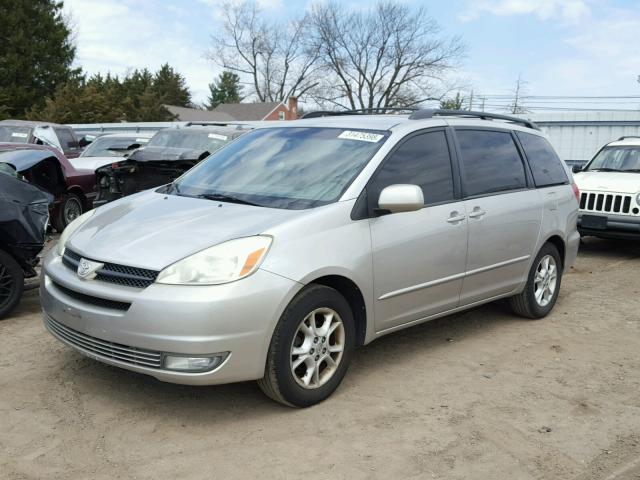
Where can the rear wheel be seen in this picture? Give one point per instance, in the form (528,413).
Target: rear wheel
(11,283)
(70,208)
(311,348)
(543,285)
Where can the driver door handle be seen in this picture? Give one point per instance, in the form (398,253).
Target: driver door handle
(455,217)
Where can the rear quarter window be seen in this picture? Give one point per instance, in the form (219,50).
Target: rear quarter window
(545,165)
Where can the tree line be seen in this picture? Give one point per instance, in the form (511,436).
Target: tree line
(389,55)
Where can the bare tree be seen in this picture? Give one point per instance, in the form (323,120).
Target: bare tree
(519,91)
(388,56)
(270,57)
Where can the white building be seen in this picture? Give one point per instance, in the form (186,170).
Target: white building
(577,136)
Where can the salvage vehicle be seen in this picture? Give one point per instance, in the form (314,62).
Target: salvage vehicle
(610,186)
(280,253)
(24,214)
(50,170)
(108,148)
(168,154)
(60,137)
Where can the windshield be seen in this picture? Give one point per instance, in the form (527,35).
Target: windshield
(10,133)
(193,140)
(113,146)
(617,159)
(295,168)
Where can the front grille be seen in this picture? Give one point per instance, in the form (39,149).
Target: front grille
(90,299)
(605,202)
(114,351)
(113,273)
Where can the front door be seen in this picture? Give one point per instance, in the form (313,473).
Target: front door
(418,257)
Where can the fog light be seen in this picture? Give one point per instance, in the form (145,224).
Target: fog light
(194,364)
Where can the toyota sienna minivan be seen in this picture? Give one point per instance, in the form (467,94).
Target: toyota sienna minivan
(278,255)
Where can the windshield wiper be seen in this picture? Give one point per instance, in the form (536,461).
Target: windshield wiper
(604,169)
(221,197)
(632,170)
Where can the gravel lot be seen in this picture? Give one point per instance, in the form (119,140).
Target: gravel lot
(480,395)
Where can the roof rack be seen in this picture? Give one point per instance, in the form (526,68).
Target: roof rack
(430,113)
(358,111)
(627,136)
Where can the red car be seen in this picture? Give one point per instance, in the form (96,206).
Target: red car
(50,170)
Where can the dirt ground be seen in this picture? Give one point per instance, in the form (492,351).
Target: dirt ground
(479,395)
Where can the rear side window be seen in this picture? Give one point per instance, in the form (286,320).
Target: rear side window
(422,160)
(67,140)
(491,162)
(545,165)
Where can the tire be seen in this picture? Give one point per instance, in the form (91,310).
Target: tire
(70,208)
(328,309)
(530,305)
(11,283)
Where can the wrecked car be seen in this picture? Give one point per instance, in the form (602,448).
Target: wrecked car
(60,137)
(24,215)
(169,154)
(48,169)
(107,148)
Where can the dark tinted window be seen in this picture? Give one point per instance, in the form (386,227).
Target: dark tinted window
(422,160)
(491,162)
(545,165)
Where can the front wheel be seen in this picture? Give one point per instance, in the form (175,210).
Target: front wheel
(11,283)
(543,285)
(311,348)
(70,208)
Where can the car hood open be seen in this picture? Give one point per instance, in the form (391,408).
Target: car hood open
(24,159)
(153,230)
(608,181)
(153,154)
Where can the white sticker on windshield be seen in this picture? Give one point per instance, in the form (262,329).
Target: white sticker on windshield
(361,136)
(18,135)
(217,137)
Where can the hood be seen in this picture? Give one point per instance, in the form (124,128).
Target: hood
(24,159)
(152,230)
(608,181)
(150,154)
(24,212)
(93,163)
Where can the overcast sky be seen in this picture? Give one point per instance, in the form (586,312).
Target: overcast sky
(561,47)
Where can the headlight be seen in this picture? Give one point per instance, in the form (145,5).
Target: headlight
(70,229)
(221,263)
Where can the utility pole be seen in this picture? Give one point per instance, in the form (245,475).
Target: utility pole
(471,100)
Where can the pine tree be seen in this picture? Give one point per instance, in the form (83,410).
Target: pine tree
(36,53)
(226,89)
(171,87)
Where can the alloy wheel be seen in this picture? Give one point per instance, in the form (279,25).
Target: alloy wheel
(317,347)
(545,280)
(72,210)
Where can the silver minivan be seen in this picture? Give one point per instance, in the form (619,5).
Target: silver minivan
(275,257)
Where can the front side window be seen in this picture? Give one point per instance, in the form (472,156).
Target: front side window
(66,138)
(294,168)
(490,162)
(545,165)
(616,159)
(422,160)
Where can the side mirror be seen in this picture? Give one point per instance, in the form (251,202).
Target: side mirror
(401,198)
(576,168)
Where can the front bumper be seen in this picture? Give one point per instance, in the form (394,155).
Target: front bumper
(617,226)
(237,317)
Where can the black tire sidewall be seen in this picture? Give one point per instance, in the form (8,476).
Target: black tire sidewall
(314,297)
(17,275)
(60,220)
(538,310)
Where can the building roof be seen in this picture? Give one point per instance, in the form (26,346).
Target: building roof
(247,111)
(185,114)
